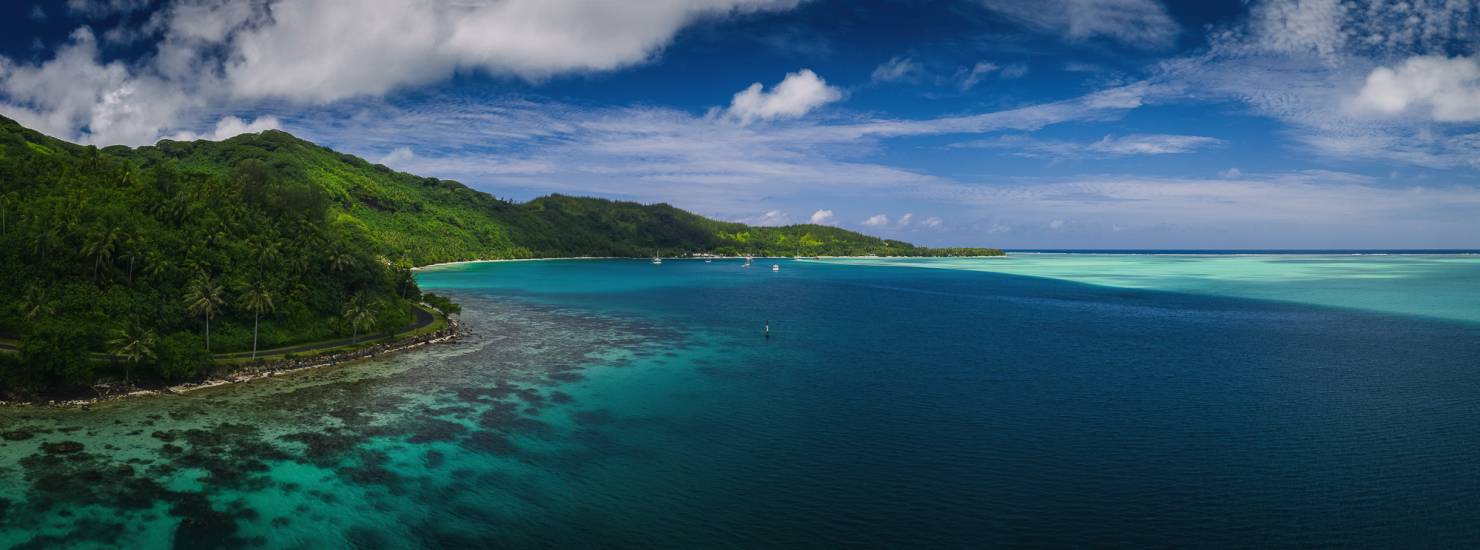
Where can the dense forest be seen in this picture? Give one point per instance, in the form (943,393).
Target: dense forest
(156,257)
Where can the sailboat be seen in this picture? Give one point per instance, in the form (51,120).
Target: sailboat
(747,261)
(657,260)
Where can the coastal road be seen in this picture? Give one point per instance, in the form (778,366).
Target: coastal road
(423,319)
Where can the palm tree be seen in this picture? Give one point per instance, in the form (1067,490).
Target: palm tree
(6,199)
(43,242)
(100,248)
(267,254)
(360,313)
(154,264)
(34,303)
(257,299)
(203,297)
(340,261)
(133,249)
(133,343)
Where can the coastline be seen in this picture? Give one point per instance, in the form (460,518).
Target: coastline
(563,258)
(248,373)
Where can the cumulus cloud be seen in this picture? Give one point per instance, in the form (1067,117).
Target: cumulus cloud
(932,223)
(1352,79)
(896,68)
(232,126)
(771,218)
(1231,173)
(1137,23)
(904,221)
(398,156)
(822,217)
(224,54)
(316,50)
(877,220)
(76,90)
(37,14)
(798,94)
(1446,89)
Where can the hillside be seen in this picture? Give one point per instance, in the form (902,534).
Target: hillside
(265,239)
(428,220)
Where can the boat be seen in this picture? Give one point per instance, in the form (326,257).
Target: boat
(657,260)
(748,260)
(775,267)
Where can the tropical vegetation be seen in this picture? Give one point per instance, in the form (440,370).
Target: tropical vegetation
(154,258)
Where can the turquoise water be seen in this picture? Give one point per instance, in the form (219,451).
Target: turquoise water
(1049,400)
(1436,285)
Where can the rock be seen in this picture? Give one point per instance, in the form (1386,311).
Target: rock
(17,435)
(64,447)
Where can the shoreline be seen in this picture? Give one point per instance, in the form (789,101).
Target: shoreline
(563,258)
(454,331)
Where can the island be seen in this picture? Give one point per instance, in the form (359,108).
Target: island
(129,267)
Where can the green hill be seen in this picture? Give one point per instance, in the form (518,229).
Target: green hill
(427,220)
(101,246)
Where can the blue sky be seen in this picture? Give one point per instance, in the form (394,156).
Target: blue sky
(1052,123)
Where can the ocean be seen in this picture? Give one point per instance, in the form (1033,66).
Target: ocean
(1046,399)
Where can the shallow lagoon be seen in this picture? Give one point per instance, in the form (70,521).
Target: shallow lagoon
(625,404)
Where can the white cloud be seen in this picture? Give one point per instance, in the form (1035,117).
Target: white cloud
(1056,224)
(76,90)
(798,94)
(970,78)
(1334,71)
(397,157)
(771,218)
(37,14)
(822,217)
(1138,23)
(904,221)
(1318,207)
(704,163)
(232,126)
(316,51)
(932,222)
(877,220)
(1107,147)
(1447,89)
(1152,144)
(896,68)
(220,55)
(98,9)
(1231,173)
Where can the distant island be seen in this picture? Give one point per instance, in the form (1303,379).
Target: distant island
(164,261)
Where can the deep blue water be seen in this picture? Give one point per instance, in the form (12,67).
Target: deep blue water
(616,403)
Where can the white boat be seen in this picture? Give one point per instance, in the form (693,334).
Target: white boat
(657,260)
(775,267)
(748,260)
